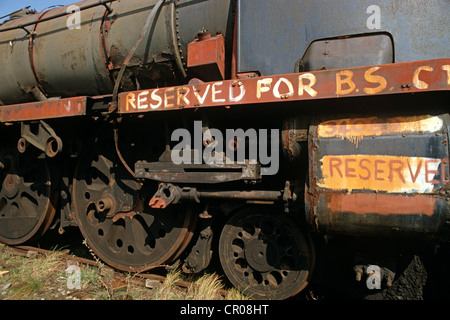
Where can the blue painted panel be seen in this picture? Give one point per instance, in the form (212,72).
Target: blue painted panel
(274,34)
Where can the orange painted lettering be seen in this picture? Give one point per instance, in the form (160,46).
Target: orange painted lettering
(428,171)
(361,165)
(398,169)
(337,162)
(349,172)
(374,79)
(347,80)
(415,175)
(377,170)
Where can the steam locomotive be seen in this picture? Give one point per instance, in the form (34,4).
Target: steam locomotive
(292,141)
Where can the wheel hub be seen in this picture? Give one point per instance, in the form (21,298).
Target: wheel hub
(107,205)
(258,252)
(10,185)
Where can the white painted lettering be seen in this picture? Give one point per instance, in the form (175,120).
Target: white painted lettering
(238,97)
(216,91)
(201,99)
(307,87)
(263,85)
(142,97)
(156,98)
(276,88)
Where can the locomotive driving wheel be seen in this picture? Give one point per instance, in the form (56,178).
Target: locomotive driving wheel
(112,211)
(266,255)
(26,196)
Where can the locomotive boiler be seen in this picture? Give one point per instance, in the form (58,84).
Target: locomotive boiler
(264,136)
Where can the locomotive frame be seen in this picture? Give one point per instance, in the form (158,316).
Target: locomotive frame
(104,164)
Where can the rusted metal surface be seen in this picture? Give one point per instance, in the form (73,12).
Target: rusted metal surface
(16,81)
(266,253)
(64,57)
(67,58)
(138,238)
(27,197)
(294,132)
(144,31)
(206,57)
(378,175)
(55,16)
(196,173)
(42,136)
(408,77)
(168,193)
(48,109)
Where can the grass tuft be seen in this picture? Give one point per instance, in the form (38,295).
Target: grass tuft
(47,277)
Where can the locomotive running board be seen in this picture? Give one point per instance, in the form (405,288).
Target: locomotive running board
(395,78)
(48,109)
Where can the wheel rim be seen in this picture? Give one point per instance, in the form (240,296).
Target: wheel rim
(114,217)
(265,255)
(26,197)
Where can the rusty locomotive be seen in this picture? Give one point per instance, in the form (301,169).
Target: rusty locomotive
(264,134)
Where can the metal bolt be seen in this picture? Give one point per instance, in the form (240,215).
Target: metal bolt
(406,85)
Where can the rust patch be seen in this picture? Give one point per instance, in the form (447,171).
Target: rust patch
(383,204)
(206,57)
(44,109)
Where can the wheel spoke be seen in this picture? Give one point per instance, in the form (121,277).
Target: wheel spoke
(106,198)
(266,254)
